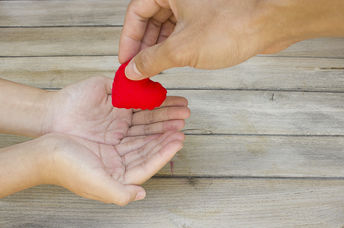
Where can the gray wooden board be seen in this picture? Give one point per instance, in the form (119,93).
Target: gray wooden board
(262,73)
(187,203)
(52,41)
(264,112)
(59,41)
(263,156)
(62,13)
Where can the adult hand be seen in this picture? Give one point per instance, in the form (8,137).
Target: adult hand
(210,34)
(84,109)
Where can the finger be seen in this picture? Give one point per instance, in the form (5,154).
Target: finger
(158,115)
(108,85)
(134,143)
(147,169)
(135,23)
(100,186)
(141,155)
(165,31)
(170,101)
(126,194)
(141,151)
(151,61)
(175,101)
(153,28)
(156,128)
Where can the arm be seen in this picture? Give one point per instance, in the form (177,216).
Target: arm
(23,109)
(207,34)
(20,166)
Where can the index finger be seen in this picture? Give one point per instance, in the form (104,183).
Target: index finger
(135,23)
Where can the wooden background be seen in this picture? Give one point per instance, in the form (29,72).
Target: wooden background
(264,146)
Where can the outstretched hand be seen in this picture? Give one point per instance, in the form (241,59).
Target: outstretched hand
(84,109)
(108,173)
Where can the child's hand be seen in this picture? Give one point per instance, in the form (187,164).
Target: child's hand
(109,173)
(84,109)
(93,170)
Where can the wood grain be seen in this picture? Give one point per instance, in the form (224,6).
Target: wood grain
(59,41)
(263,156)
(187,203)
(322,47)
(268,156)
(262,73)
(62,13)
(264,112)
(52,41)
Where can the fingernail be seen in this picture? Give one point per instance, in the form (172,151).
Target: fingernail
(132,72)
(140,196)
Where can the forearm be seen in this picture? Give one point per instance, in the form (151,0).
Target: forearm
(20,167)
(23,109)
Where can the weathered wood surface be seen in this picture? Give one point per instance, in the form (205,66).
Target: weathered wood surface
(265,143)
(264,112)
(59,41)
(254,156)
(187,203)
(62,13)
(52,41)
(262,73)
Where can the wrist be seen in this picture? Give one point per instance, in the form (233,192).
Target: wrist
(48,112)
(21,167)
(47,147)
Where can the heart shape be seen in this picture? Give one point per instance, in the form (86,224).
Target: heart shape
(142,94)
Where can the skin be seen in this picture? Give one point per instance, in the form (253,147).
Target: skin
(84,110)
(108,173)
(208,34)
(85,144)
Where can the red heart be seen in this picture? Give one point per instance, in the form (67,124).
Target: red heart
(142,94)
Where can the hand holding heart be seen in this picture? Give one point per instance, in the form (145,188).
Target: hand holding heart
(85,109)
(83,143)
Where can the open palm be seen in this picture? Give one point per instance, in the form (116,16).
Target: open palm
(84,109)
(111,173)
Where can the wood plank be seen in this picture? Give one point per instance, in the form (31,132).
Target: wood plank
(262,73)
(322,47)
(264,112)
(59,41)
(263,156)
(68,41)
(62,13)
(173,203)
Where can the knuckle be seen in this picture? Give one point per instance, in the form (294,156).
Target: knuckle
(155,23)
(144,62)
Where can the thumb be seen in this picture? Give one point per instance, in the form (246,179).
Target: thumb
(152,60)
(105,188)
(124,194)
